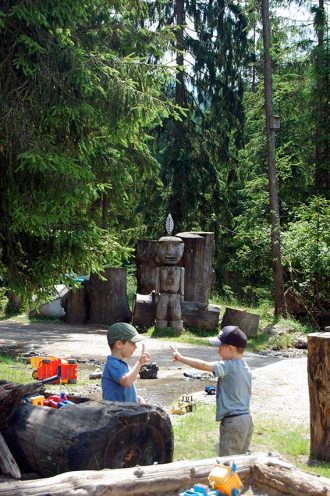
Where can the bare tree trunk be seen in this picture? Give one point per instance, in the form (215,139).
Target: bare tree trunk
(180,19)
(272,173)
(322,176)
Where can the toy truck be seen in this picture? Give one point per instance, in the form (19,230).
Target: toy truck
(224,481)
(210,389)
(186,405)
(66,370)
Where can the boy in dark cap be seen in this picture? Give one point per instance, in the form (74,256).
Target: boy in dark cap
(233,393)
(118,378)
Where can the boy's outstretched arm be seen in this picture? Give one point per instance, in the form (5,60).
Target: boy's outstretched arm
(129,378)
(192,362)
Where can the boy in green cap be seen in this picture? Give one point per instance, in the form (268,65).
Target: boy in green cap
(118,378)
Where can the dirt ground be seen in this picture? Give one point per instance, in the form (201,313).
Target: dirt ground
(280,387)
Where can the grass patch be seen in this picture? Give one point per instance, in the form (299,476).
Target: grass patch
(15,370)
(191,336)
(196,436)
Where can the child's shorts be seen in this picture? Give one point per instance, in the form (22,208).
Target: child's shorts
(235,435)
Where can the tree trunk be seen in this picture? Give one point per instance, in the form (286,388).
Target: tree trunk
(322,94)
(319,394)
(89,436)
(194,314)
(272,173)
(145,259)
(246,321)
(180,20)
(108,301)
(75,304)
(197,261)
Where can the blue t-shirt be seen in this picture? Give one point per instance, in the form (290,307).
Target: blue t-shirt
(234,387)
(112,390)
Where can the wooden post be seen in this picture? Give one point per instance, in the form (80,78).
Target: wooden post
(319,394)
(145,259)
(75,305)
(197,261)
(108,301)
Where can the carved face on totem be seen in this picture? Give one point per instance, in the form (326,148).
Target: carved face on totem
(169,250)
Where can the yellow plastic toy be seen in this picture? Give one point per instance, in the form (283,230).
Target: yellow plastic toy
(37,400)
(186,405)
(35,361)
(225,479)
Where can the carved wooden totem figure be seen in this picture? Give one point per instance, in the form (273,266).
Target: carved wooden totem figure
(169,290)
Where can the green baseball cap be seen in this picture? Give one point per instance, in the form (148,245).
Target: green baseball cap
(121,331)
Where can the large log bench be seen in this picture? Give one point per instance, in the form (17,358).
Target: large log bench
(92,435)
(262,474)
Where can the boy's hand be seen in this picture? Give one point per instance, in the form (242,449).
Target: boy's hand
(144,357)
(175,354)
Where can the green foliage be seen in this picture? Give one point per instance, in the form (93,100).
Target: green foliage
(306,247)
(76,108)
(3,301)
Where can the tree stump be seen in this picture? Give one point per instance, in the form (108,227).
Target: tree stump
(319,394)
(247,322)
(108,301)
(145,259)
(144,310)
(75,304)
(194,314)
(89,436)
(197,261)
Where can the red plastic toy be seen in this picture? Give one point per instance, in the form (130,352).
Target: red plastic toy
(66,370)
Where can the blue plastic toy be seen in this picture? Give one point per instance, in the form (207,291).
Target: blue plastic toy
(210,389)
(201,490)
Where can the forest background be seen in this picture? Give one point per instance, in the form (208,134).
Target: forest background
(116,112)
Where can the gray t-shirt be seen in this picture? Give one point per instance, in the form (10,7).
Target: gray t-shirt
(233,388)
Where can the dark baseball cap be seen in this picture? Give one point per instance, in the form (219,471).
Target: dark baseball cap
(121,331)
(230,335)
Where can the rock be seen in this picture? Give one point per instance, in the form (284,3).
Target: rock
(97,374)
(277,330)
(300,342)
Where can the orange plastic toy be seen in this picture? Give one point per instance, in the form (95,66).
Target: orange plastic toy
(51,366)
(225,479)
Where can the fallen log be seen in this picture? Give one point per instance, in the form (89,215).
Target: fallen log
(289,481)
(168,479)
(89,436)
